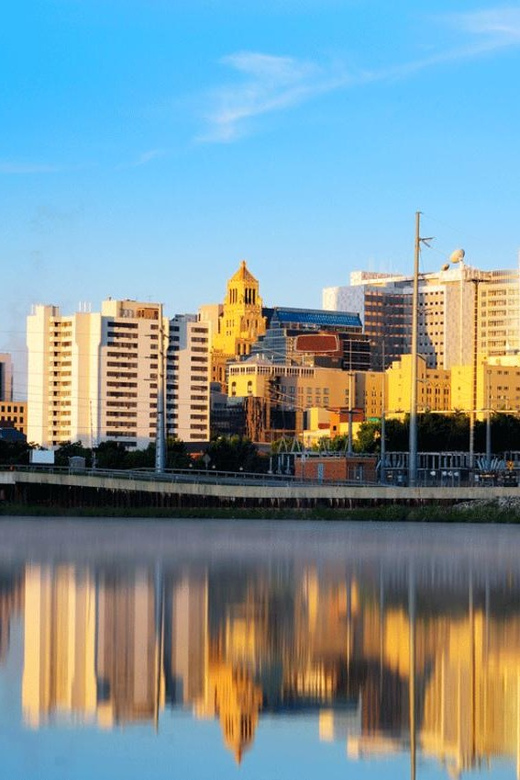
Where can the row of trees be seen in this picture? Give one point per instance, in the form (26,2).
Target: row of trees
(234,453)
(436,433)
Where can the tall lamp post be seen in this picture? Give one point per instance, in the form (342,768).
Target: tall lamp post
(457,258)
(412,466)
(488,419)
(382,474)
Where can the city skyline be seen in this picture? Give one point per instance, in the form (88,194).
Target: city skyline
(301,137)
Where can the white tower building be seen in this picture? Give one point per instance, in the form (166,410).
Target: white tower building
(188,379)
(93,377)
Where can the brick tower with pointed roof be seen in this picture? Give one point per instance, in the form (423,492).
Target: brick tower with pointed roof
(240,324)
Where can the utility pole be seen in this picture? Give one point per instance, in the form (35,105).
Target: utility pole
(382,473)
(412,466)
(488,419)
(350,412)
(474,368)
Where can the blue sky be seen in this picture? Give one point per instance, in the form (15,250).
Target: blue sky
(148,146)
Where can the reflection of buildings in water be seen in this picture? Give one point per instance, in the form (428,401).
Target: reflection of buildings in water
(130,682)
(115,646)
(336,725)
(466,677)
(11,601)
(236,699)
(325,604)
(59,645)
(90,648)
(471,709)
(185,637)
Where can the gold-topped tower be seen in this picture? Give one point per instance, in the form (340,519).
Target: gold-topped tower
(240,323)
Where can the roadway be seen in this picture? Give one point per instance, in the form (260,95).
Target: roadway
(227,486)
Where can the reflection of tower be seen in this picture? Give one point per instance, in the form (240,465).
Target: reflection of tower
(237,702)
(130,683)
(59,648)
(11,597)
(185,639)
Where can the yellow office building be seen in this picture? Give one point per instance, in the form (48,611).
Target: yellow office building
(239,324)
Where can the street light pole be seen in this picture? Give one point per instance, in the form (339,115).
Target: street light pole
(412,466)
(488,421)
(382,474)
(350,412)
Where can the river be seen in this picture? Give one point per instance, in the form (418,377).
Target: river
(261,650)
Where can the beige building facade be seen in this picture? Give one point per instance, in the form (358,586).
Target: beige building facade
(188,379)
(94,377)
(14,413)
(463,312)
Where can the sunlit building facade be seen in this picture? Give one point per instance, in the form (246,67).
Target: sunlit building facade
(237,324)
(463,312)
(14,414)
(94,377)
(188,379)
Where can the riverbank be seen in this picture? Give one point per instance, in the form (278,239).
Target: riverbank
(485,511)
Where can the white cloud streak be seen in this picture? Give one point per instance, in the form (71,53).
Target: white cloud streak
(273,83)
(12,168)
(500,25)
(149,156)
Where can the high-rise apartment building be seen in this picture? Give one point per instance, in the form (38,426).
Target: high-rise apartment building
(462,312)
(93,377)
(188,379)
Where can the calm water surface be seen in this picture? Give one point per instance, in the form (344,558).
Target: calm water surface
(265,651)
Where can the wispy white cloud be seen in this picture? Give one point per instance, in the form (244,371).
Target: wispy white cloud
(143,159)
(10,167)
(500,25)
(273,83)
(149,156)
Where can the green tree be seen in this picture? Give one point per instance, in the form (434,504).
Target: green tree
(368,438)
(111,455)
(14,453)
(68,450)
(505,434)
(176,454)
(397,435)
(443,432)
(235,453)
(140,459)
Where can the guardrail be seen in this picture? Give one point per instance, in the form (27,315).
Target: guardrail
(213,477)
(209,476)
